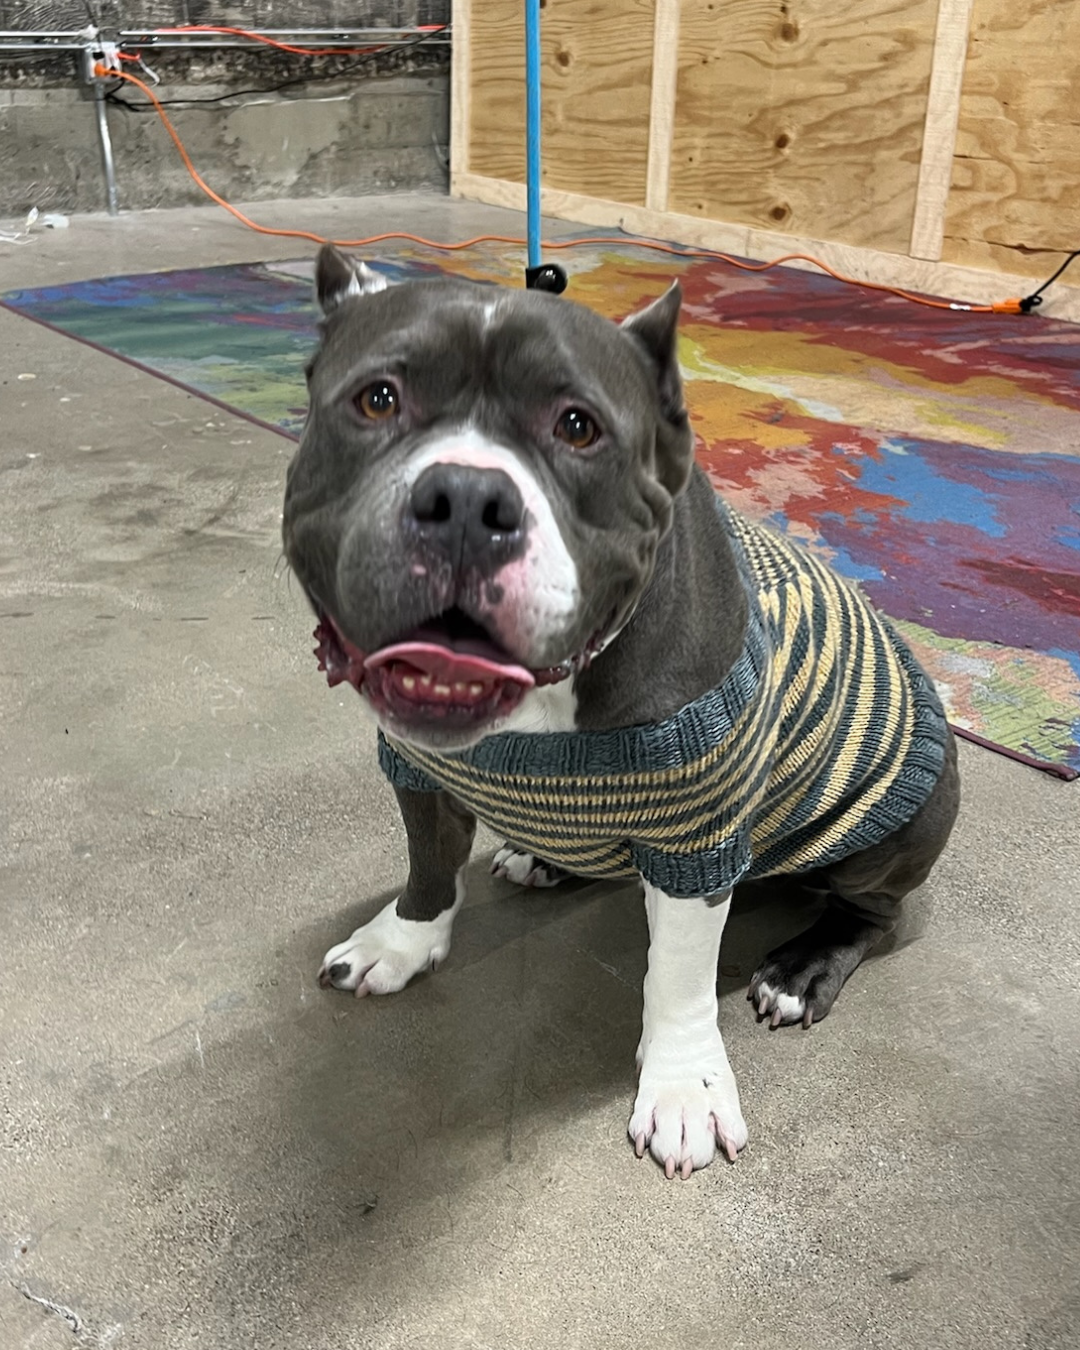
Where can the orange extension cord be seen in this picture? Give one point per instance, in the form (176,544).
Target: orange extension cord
(1011,306)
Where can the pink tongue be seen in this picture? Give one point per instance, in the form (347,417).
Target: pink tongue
(449,667)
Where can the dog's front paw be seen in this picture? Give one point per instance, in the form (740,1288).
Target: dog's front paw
(382,956)
(685,1109)
(525,869)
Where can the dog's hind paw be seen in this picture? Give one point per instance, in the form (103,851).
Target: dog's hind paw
(525,869)
(781,1009)
(799,980)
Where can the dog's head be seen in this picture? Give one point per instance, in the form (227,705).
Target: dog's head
(479,494)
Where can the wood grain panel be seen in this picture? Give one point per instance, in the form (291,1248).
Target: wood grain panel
(1015,199)
(597,75)
(865,264)
(803,116)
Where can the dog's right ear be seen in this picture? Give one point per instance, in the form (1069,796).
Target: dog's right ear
(339,277)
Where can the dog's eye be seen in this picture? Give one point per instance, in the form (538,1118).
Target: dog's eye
(378,401)
(577,429)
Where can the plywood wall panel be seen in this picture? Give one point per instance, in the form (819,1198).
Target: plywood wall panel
(597,73)
(1015,198)
(803,115)
(795,123)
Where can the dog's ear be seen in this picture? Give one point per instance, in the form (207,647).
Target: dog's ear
(655,330)
(339,277)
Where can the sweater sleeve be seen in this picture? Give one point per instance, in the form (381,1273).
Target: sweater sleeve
(400,772)
(688,874)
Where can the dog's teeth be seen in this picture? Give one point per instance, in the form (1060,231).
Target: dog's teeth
(408,682)
(460,688)
(476,690)
(443,690)
(425,681)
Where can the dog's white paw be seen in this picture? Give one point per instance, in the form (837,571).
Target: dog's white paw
(781,1009)
(685,1108)
(525,869)
(382,956)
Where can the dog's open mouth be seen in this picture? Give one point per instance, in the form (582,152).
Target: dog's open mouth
(449,671)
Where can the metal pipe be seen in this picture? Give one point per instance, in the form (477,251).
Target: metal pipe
(201,45)
(342,34)
(42,46)
(260,32)
(15,39)
(106,149)
(532,127)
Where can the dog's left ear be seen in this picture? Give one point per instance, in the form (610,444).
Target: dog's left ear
(339,277)
(655,329)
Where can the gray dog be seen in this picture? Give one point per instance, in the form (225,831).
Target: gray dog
(562,631)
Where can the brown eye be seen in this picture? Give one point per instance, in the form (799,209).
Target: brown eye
(378,401)
(577,429)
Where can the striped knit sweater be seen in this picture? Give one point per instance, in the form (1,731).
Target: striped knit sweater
(824,738)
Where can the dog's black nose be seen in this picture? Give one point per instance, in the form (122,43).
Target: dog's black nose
(474,517)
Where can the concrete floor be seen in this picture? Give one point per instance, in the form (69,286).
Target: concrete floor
(201,1148)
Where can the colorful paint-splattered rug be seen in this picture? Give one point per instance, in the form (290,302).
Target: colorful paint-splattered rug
(933,455)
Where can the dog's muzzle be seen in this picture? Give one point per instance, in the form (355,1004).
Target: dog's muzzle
(447,673)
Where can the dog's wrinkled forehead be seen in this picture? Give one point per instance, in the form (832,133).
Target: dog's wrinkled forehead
(455,340)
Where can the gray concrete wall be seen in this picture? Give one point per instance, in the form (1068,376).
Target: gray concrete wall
(380,134)
(355,127)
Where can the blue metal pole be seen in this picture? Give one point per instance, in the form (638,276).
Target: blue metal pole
(532,122)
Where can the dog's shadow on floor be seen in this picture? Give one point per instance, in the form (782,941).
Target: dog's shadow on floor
(375,1129)
(763,915)
(606,921)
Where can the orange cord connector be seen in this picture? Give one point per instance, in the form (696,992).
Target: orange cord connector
(1011,306)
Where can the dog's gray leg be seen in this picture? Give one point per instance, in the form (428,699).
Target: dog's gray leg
(412,933)
(687,1100)
(799,981)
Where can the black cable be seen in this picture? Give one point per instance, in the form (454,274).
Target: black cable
(112,95)
(1029,302)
